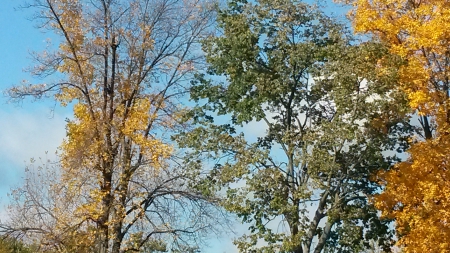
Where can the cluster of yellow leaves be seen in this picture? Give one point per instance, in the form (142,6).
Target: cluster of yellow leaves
(67,95)
(70,17)
(81,143)
(73,52)
(417,192)
(136,126)
(83,150)
(416,31)
(417,195)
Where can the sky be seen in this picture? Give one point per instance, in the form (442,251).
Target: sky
(32,129)
(27,129)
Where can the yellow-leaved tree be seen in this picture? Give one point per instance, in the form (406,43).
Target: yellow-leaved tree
(417,191)
(125,66)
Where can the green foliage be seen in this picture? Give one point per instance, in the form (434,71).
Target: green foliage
(145,246)
(13,245)
(328,117)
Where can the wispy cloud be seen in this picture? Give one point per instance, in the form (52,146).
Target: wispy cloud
(26,133)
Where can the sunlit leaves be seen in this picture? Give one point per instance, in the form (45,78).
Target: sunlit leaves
(416,191)
(416,195)
(415,31)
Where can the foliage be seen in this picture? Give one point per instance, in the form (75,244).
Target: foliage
(302,185)
(125,65)
(416,192)
(14,245)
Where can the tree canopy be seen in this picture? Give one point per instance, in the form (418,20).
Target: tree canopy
(328,115)
(416,191)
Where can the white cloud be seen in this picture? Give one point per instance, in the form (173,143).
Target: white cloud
(25,132)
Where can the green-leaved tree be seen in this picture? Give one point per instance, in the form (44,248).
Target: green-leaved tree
(303,185)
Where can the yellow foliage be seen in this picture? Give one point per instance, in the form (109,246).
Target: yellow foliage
(416,30)
(417,195)
(417,191)
(111,131)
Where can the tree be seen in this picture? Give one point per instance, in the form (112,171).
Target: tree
(125,67)
(328,116)
(416,192)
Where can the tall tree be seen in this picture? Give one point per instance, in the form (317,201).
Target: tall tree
(125,66)
(416,191)
(328,116)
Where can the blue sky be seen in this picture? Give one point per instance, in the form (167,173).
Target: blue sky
(35,129)
(26,129)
